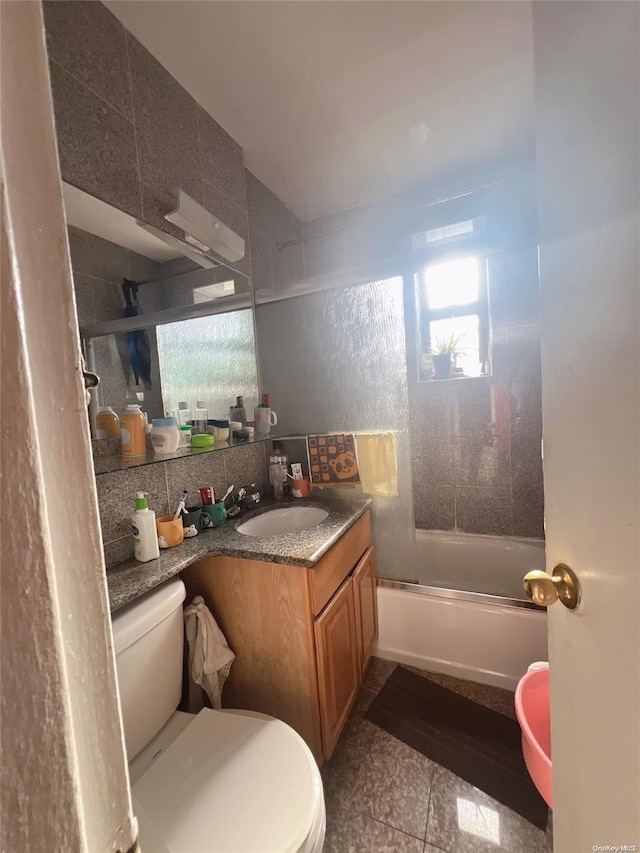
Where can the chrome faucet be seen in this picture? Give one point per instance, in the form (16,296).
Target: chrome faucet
(246,496)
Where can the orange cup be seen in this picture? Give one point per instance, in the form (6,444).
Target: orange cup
(170,531)
(301,488)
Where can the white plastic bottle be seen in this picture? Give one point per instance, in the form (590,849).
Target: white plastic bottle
(200,419)
(143,527)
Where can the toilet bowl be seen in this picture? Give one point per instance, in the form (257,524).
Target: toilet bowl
(215,782)
(532,711)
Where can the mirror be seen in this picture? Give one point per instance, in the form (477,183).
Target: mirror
(159,319)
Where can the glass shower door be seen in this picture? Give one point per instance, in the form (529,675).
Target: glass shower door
(335,360)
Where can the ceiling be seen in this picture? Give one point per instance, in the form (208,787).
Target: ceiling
(340,103)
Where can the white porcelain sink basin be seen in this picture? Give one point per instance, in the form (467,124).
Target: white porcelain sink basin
(276,522)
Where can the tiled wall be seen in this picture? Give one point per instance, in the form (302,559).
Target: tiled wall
(164,481)
(128,133)
(475,443)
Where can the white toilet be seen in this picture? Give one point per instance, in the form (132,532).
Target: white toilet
(218,782)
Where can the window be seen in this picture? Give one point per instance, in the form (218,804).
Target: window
(453,318)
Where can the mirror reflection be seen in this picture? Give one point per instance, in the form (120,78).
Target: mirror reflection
(162,322)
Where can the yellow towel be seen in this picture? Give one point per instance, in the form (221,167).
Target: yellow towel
(378,464)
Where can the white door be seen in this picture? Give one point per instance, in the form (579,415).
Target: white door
(587,120)
(64,774)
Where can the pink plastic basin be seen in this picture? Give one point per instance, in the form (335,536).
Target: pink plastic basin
(532,710)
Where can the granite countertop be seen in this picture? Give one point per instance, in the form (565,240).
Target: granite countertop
(131,579)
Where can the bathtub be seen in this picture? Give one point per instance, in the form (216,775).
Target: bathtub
(467,616)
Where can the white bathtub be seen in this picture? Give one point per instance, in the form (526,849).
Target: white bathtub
(468,615)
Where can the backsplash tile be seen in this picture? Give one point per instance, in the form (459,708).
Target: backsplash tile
(118,550)
(245,465)
(117,492)
(164,482)
(189,474)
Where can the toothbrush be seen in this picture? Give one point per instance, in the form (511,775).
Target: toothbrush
(181,506)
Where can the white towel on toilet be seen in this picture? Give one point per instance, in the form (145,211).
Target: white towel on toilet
(210,657)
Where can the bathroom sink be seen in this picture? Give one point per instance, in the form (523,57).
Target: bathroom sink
(276,522)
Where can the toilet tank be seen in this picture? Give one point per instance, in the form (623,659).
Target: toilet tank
(148,638)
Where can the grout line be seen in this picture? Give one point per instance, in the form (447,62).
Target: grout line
(227,198)
(391,826)
(93,91)
(200,157)
(426,826)
(135,129)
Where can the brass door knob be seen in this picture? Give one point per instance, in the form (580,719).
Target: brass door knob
(544,589)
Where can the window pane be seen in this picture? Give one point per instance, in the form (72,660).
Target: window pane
(452,283)
(467,331)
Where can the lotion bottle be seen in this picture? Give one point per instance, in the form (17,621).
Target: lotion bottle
(143,527)
(133,432)
(107,423)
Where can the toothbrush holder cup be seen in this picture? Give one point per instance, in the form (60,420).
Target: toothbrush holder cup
(192,521)
(214,515)
(301,488)
(263,419)
(170,531)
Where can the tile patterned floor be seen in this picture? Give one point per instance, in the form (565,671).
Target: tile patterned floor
(384,797)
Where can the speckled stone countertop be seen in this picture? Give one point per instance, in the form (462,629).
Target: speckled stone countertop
(131,579)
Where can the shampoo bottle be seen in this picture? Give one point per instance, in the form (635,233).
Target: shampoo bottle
(143,527)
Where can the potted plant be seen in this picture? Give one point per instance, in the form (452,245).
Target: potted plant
(443,354)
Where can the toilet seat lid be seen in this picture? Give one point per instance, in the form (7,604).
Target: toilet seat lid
(229,782)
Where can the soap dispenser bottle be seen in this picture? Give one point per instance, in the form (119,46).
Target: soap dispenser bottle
(143,527)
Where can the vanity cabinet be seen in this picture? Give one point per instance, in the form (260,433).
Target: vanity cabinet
(303,637)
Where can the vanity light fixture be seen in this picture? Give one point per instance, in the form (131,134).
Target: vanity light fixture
(203,230)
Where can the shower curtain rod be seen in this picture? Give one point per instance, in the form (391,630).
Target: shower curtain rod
(423,205)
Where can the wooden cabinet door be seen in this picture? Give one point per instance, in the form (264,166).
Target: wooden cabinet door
(364,589)
(338,663)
